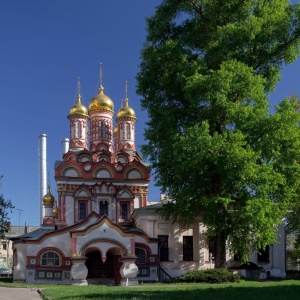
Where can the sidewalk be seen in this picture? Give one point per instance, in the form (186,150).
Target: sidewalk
(16,293)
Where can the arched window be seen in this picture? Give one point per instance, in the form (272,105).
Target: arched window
(50,259)
(82,210)
(84,158)
(103,173)
(103,208)
(141,255)
(102,129)
(134,174)
(128,132)
(122,159)
(124,211)
(121,131)
(78,130)
(71,172)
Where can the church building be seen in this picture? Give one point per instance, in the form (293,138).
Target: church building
(102,228)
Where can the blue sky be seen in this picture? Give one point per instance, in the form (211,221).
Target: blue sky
(45,46)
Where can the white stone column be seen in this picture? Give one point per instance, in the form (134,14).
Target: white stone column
(79,270)
(129,271)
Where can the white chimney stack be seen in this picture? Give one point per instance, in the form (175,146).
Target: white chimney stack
(43,171)
(65,146)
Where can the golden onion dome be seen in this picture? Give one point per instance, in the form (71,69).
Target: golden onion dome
(55,211)
(101,102)
(126,111)
(116,131)
(78,108)
(48,199)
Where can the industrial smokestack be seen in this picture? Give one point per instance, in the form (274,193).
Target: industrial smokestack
(43,171)
(65,146)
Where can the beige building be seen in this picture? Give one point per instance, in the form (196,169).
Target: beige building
(183,249)
(6,245)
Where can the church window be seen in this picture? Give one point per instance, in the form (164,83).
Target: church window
(124,211)
(103,173)
(84,158)
(82,210)
(263,255)
(163,247)
(78,130)
(128,131)
(187,247)
(121,131)
(122,159)
(141,255)
(134,174)
(102,129)
(103,208)
(70,172)
(50,259)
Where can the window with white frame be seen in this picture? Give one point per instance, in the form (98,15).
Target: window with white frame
(50,259)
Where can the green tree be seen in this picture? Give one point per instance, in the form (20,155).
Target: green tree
(207,69)
(4,206)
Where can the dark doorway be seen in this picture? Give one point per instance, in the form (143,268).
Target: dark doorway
(93,264)
(98,269)
(108,266)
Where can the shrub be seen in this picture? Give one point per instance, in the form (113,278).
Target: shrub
(209,276)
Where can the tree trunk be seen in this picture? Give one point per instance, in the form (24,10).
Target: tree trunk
(220,250)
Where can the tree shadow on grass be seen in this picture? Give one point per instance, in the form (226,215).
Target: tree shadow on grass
(274,292)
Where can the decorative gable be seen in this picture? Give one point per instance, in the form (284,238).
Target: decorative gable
(125,194)
(82,193)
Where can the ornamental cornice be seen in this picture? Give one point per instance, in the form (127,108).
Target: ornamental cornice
(126,119)
(78,116)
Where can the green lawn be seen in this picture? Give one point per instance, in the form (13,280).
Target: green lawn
(285,290)
(245,290)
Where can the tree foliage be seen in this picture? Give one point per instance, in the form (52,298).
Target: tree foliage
(208,67)
(4,206)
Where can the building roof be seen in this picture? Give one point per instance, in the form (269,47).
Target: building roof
(19,230)
(33,235)
(150,207)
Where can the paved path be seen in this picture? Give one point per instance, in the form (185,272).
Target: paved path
(7,293)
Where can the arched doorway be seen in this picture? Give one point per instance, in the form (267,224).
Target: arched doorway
(97,269)
(93,264)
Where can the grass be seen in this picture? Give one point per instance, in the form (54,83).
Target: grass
(245,290)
